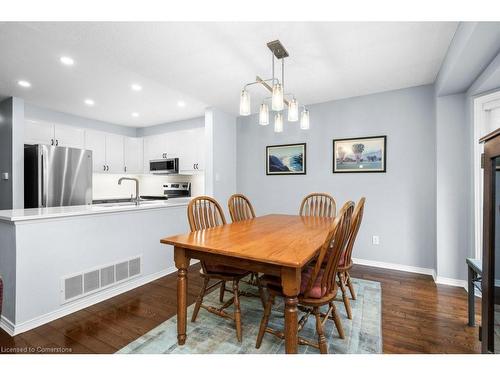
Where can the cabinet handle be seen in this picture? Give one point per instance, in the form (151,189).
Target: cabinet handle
(104,168)
(107,168)
(196,165)
(125,168)
(52,142)
(57,142)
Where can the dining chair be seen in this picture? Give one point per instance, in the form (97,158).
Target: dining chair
(205,212)
(318,204)
(240,209)
(318,285)
(345,263)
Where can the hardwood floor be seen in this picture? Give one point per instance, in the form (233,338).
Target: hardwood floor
(418,316)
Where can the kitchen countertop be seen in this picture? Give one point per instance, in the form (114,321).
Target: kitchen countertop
(94,209)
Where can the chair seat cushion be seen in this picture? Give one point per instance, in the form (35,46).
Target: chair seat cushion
(219,268)
(342,260)
(316,290)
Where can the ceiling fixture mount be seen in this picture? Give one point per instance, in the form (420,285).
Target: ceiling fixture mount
(89,102)
(278,96)
(181,103)
(135,114)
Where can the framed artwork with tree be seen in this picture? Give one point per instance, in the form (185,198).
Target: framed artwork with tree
(360,155)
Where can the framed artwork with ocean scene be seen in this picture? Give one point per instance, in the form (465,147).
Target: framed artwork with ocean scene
(286,159)
(359,155)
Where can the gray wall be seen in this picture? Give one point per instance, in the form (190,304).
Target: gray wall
(39,113)
(12,153)
(453,210)
(220,156)
(401,203)
(197,122)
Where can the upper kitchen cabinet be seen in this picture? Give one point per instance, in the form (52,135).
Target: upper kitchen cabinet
(69,136)
(193,152)
(42,132)
(114,153)
(154,148)
(107,151)
(96,141)
(133,154)
(38,132)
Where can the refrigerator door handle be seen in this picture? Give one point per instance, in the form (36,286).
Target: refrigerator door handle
(44,178)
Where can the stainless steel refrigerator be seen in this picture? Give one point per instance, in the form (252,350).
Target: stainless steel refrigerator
(57,176)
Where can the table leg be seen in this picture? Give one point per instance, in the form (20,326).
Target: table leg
(290,282)
(182,264)
(470,291)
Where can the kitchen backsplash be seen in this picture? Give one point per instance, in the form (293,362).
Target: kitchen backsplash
(105,186)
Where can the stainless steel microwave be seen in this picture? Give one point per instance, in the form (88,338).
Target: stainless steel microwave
(164,166)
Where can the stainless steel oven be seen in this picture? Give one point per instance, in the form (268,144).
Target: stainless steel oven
(164,166)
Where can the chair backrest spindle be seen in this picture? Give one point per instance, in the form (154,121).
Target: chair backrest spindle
(318,204)
(240,208)
(205,212)
(337,239)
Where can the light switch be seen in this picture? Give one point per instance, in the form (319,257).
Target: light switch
(5,176)
(376,240)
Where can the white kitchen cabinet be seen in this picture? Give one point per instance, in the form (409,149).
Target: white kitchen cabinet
(133,154)
(154,148)
(43,132)
(114,153)
(96,141)
(69,136)
(192,157)
(38,132)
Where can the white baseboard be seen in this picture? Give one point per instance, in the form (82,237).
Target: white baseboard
(451,282)
(412,269)
(15,329)
(7,325)
(395,266)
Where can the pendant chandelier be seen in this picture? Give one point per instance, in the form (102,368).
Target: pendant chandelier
(278,99)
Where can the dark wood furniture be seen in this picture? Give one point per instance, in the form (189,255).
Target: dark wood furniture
(318,204)
(205,212)
(491,236)
(240,209)
(318,285)
(279,245)
(345,263)
(474,272)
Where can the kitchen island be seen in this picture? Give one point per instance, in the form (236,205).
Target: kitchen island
(58,260)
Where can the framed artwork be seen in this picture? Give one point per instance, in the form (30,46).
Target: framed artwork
(286,159)
(360,155)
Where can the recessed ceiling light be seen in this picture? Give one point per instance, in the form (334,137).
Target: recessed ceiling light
(89,102)
(181,103)
(23,83)
(66,60)
(136,87)
(135,114)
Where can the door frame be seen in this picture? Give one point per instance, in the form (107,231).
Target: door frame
(480,118)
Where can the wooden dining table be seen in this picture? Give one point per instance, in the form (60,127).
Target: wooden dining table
(279,245)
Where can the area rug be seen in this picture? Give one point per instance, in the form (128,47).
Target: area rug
(216,335)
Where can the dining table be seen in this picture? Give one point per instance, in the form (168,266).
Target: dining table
(279,245)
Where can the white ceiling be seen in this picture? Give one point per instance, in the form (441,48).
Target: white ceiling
(206,64)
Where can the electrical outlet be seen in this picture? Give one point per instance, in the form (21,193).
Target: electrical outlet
(375,240)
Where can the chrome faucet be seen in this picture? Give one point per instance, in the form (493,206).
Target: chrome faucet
(137,197)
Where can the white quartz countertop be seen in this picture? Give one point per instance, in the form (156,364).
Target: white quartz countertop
(95,209)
